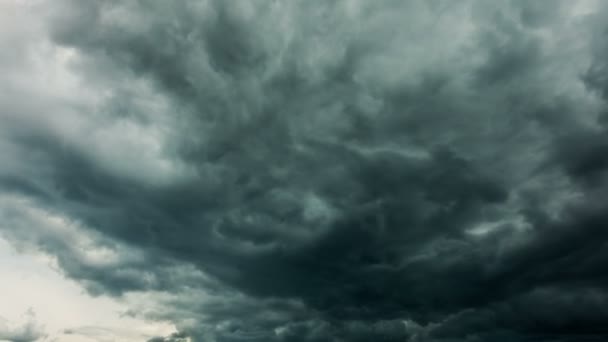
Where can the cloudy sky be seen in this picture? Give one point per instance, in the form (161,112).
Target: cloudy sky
(303,171)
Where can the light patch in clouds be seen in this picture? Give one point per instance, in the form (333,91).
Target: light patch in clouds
(31,283)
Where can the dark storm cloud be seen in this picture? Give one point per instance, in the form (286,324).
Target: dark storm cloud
(313,171)
(176,337)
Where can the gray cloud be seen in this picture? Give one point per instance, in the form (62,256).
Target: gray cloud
(313,171)
(29,331)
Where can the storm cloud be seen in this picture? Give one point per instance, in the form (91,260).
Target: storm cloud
(314,170)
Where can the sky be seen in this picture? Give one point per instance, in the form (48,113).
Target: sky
(303,171)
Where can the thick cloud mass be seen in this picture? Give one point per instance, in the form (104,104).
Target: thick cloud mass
(317,171)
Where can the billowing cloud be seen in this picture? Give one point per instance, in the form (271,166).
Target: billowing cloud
(30,330)
(316,171)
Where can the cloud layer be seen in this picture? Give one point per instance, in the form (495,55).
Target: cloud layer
(316,171)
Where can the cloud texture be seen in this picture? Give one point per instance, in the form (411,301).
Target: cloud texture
(313,170)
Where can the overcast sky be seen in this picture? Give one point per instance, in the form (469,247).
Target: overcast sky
(303,171)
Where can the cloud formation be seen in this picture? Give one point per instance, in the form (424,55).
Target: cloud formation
(29,331)
(317,171)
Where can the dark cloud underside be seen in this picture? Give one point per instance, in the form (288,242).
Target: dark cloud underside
(326,171)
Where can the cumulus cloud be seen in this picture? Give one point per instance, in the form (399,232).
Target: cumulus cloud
(28,331)
(316,171)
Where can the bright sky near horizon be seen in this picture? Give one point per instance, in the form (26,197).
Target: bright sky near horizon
(35,295)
